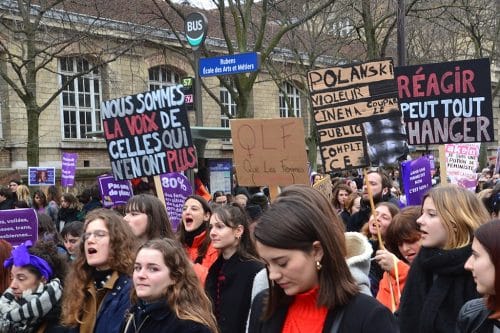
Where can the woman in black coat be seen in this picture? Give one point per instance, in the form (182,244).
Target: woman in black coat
(438,285)
(230,278)
(167,295)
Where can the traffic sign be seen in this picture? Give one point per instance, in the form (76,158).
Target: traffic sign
(229,64)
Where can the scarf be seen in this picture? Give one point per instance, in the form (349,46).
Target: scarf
(24,314)
(191,235)
(436,288)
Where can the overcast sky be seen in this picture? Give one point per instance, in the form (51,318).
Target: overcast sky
(206,4)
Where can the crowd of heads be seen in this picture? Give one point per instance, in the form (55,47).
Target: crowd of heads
(299,237)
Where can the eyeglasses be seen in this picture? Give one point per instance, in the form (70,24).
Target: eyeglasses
(98,234)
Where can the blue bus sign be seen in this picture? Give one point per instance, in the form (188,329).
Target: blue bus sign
(229,64)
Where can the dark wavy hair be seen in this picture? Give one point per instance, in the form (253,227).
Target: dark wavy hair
(47,250)
(5,251)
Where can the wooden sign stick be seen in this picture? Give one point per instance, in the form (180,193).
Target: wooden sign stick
(274,191)
(159,189)
(372,206)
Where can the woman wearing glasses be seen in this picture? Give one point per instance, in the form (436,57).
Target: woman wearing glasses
(230,278)
(99,281)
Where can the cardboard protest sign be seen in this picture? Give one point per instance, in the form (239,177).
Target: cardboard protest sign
(176,188)
(269,151)
(357,115)
(40,176)
(461,164)
(148,134)
(417,180)
(325,186)
(114,192)
(18,225)
(446,102)
(68,169)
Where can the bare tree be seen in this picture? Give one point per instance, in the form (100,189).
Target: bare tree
(39,32)
(245,26)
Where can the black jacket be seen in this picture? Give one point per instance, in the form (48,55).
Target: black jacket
(436,289)
(363,314)
(158,318)
(231,303)
(473,318)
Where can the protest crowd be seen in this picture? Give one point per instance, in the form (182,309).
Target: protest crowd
(245,262)
(373,242)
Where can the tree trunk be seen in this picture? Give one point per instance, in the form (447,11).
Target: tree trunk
(371,42)
(245,105)
(33,153)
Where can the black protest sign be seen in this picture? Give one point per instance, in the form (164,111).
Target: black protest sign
(148,134)
(357,115)
(446,102)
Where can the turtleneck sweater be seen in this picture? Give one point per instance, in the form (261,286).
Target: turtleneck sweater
(304,315)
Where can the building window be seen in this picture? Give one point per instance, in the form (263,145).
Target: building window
(163,76)
(81,99)
(228,102)
(289,101)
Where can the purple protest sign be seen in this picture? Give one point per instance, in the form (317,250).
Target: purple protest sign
(176,188)
(416,179)
(18,225)
(38,176)
(68,169)
(114,192)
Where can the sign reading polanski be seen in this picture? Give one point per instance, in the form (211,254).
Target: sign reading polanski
(447,102)
(357,115)
(148,134)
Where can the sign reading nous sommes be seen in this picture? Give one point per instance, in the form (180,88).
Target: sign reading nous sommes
(446,102)
(148,134)
(229,64)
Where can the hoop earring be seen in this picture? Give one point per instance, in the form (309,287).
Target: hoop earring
(318,265)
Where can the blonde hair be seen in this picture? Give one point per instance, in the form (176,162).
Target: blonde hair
(23,193)
(460,211)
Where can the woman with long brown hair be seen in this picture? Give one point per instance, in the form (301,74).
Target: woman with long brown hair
(230,278)
(98,288)
(167,294)
(311,288)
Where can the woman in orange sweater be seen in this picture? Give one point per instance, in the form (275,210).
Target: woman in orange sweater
(301,240)
(402,240)
(193,234)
